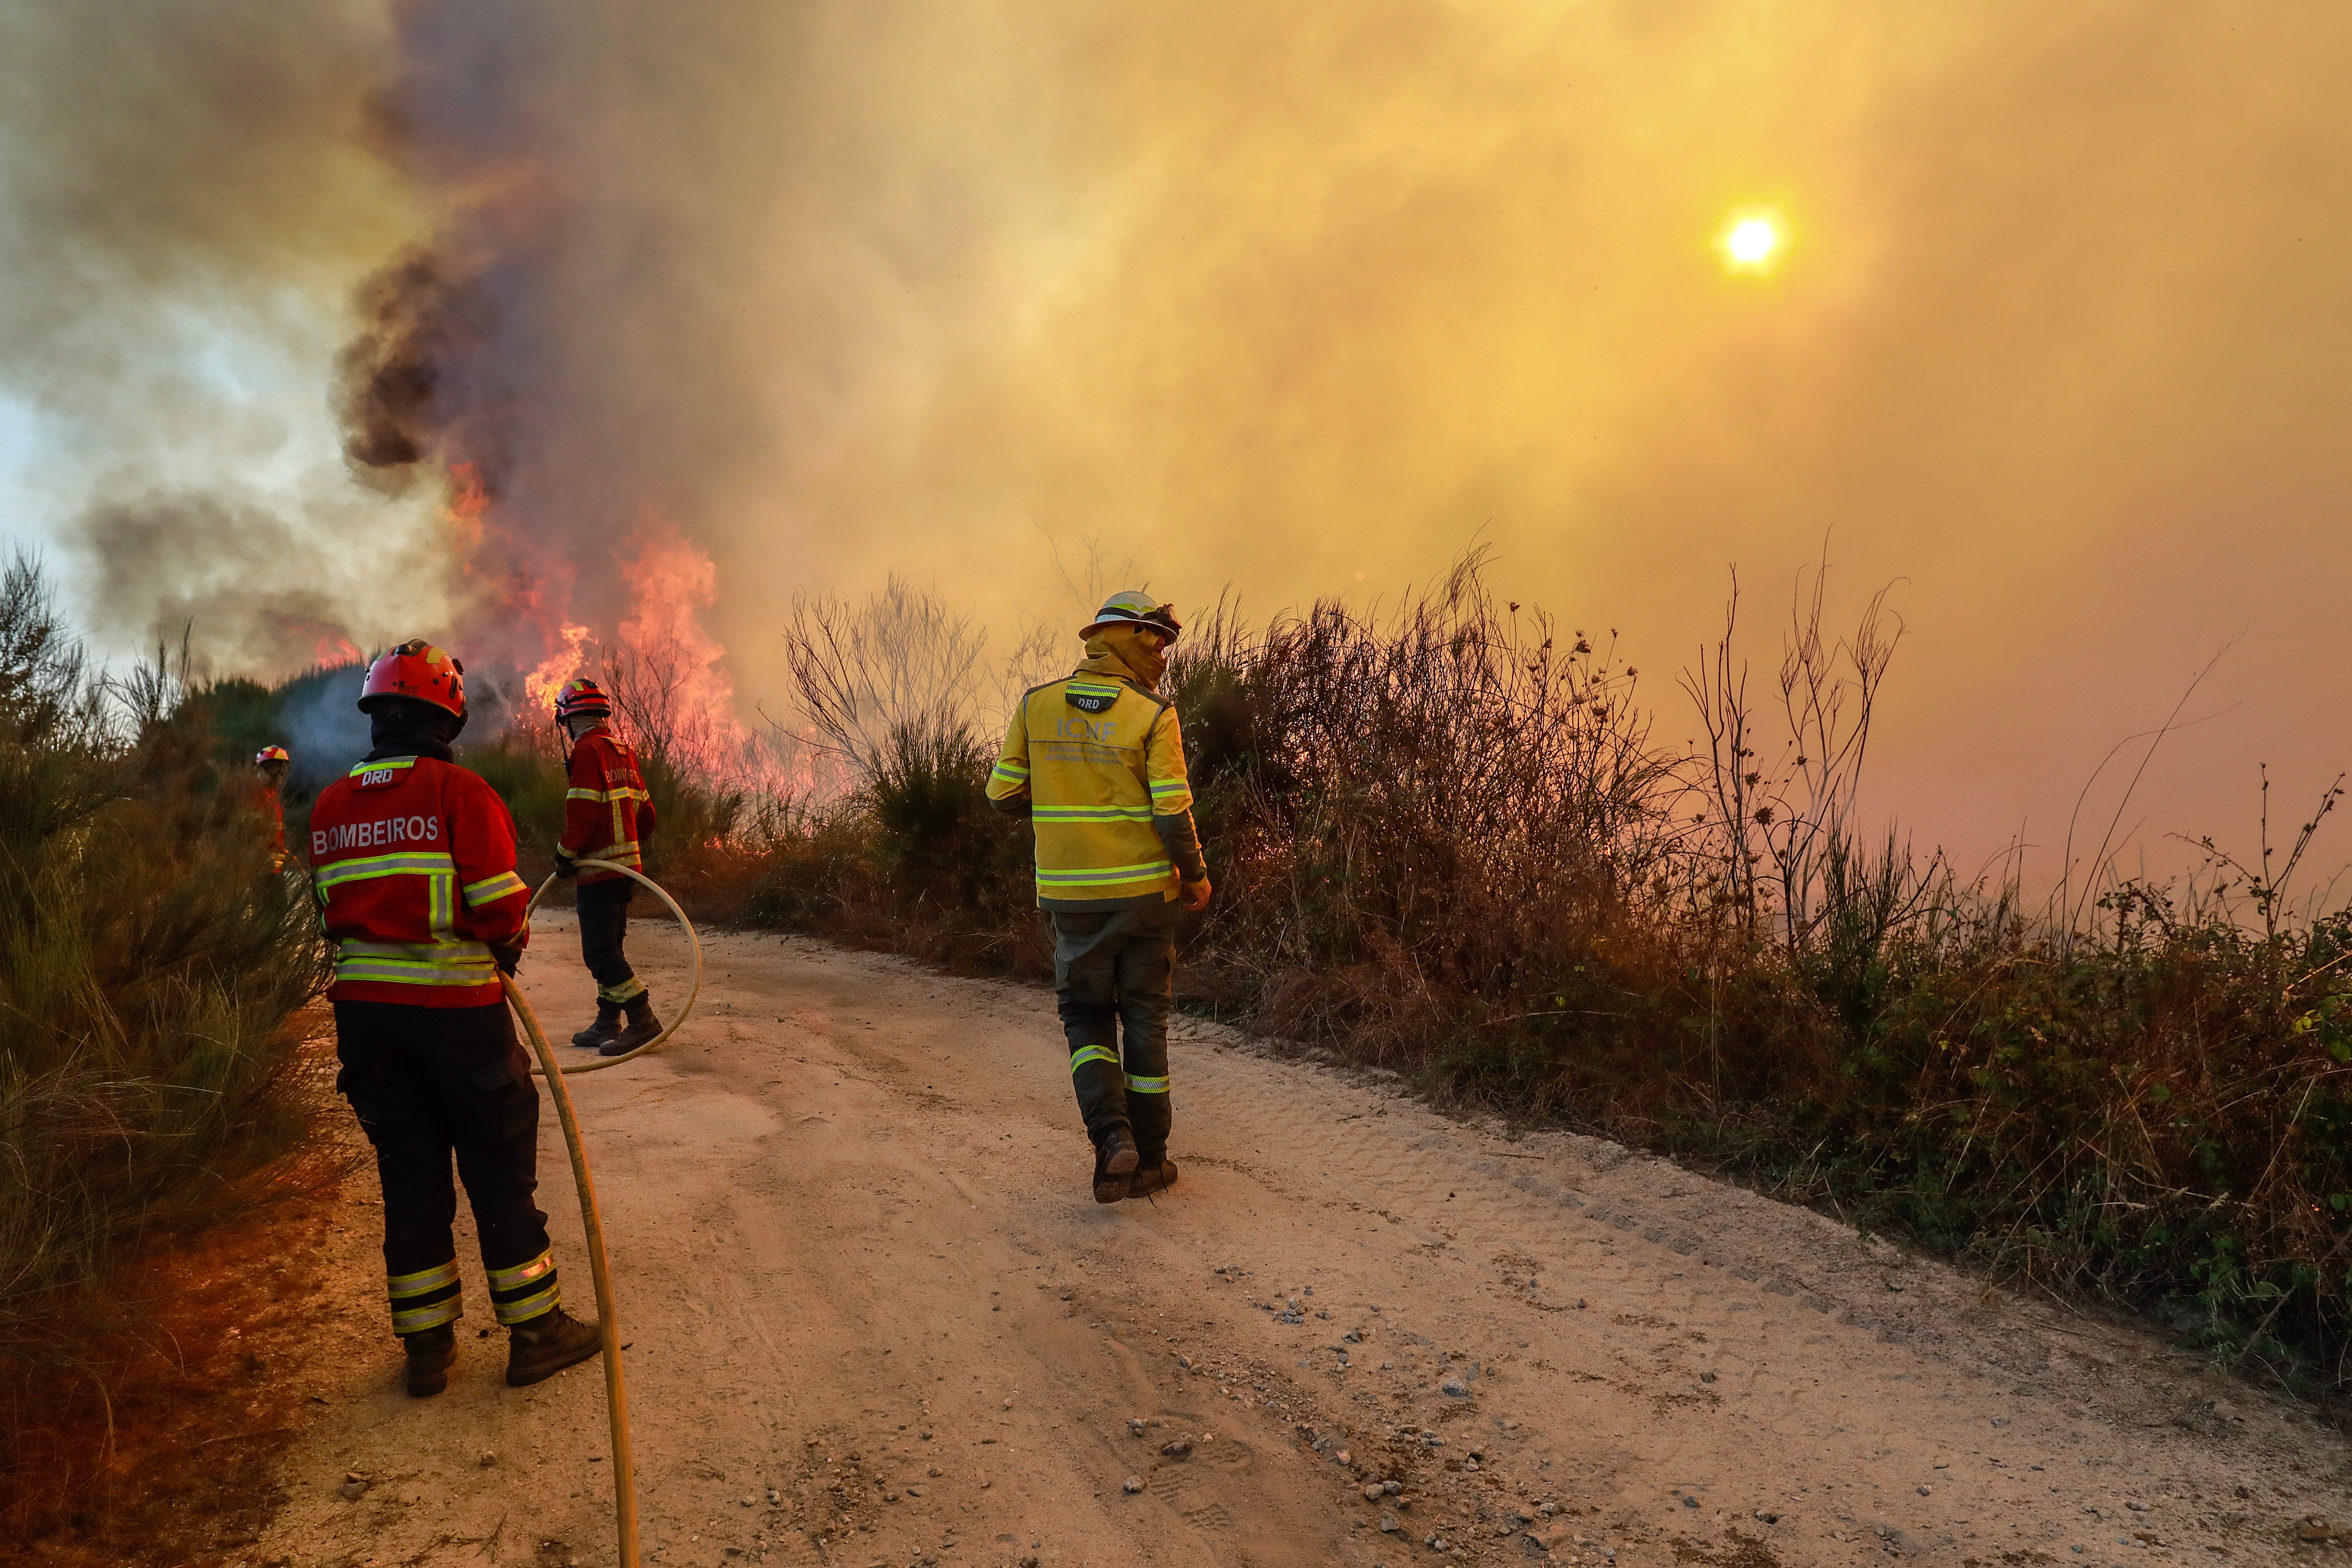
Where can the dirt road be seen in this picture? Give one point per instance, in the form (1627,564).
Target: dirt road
(876,1318)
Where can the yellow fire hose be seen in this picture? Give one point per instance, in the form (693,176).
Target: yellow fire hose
(694,990)
(616,1392)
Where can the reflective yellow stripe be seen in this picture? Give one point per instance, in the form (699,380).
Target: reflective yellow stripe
(379,767)
(606,794)
(419,951)
(417,963)
(522,1273)
(418,1319)
(1170,786)
(529,1307)
(424,1279)
(506,884)
(628,990)
(1147,1085)
(409,863)
(1085,1053)
(382,973)
(1091,875)
(1091,812)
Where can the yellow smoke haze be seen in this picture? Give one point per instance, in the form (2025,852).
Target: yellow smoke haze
(1306,300)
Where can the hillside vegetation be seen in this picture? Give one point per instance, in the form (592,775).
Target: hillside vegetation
(1447,843)
(154,1080)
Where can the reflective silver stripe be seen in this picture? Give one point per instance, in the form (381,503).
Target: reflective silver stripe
(532,1305)
(606,794)
(1170,786)
(1147,1085)
(506,884)
(1085,1053)
(523,1273)
(418,1319)
(424,1279)
(1091,812)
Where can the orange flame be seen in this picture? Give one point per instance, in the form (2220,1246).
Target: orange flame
(334,649)
(672,581)
(540,687)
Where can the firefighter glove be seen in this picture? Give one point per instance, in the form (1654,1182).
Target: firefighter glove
(508,959)
(565,867)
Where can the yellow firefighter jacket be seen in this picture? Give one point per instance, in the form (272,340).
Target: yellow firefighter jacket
(1099,757)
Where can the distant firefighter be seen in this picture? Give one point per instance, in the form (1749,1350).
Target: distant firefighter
(607,815)
(414,858)
(1096,762)
(269,766)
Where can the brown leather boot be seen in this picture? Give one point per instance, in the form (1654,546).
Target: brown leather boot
(543,1346)
(430,1351)
(643,1029)
(1152,1174)
(1115,1160)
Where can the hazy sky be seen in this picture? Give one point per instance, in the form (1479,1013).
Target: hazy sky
(1299,300)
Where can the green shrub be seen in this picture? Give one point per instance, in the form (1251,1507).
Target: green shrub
(151,1081)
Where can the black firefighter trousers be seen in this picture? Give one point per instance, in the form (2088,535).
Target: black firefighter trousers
(1114,974)
(604,928)
(431,1083)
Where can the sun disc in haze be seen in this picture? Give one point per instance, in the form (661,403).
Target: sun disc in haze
(1751,242)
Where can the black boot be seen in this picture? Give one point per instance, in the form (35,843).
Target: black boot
(430,1351)
(604,1030)
(643,1029)
(1115,1161)
(543,1346)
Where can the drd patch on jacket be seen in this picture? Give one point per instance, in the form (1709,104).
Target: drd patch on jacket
(1090,701)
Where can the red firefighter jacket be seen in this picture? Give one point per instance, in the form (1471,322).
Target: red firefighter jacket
(413,860)
(273,811)
(606,812)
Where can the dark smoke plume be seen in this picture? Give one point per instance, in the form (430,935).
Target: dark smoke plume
(554,352)
(417,317)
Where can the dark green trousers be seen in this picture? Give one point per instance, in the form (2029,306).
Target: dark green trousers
(1114,978)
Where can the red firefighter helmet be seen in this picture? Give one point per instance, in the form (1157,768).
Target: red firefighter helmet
(582,696)
(268,755)
(417,669)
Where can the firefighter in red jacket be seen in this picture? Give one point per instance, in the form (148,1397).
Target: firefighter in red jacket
(413,860)
(269,767)
(607,815)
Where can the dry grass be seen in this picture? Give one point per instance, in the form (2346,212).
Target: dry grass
(1446,844)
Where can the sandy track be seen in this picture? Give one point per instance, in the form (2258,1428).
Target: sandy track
(876,1318)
